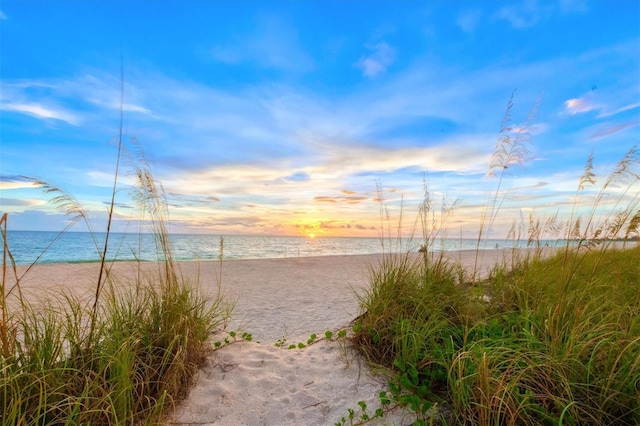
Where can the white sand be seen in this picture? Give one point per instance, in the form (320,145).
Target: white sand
(256,383)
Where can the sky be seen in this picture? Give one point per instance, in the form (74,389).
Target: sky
(299,117)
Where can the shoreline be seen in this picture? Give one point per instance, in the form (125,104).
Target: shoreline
(235,259)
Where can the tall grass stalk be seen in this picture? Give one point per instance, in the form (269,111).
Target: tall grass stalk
(511,150)
(103,257)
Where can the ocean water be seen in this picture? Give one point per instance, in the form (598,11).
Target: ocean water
(76,247)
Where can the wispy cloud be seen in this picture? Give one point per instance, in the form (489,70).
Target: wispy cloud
(588,103)
(611,129)
(620,110)
(574,5)
(74,100)
(521,14)
(335,200)
(527,13)
(274,44)
(102,90)
(42,112)
(14,182)
(304,134)
(19,202)
(104,179)
(463,155)
(3,16)
(381,56)
(468,20)
(15,187)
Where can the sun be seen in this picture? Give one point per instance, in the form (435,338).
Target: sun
(312,235)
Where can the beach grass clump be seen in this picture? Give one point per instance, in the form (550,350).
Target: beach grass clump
(562,349)
(407,299)
(549,336)
(122,356)
(541,346)
(123,359)
(146,345)
(414,316)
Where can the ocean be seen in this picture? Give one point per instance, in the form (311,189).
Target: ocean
(78,247)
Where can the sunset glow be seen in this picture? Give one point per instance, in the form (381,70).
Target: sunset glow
(297,118)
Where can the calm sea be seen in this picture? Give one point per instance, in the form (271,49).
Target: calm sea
(77,247)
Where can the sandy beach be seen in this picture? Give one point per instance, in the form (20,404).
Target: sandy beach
(257,383)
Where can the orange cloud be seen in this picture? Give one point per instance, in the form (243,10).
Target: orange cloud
(349,200)
(325,200)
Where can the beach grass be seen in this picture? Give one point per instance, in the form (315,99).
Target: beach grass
(548,336)
(122,356)
(138,360)
(524,346)
(124,359)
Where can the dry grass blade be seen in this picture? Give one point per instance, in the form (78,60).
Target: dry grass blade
(633,227)
(588,177)
(625,168)
(64,203)
(512,145)
(116,176)
(511,149)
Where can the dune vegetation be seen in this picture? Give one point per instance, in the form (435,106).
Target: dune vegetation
(123,357)
(548,337)
(552,341)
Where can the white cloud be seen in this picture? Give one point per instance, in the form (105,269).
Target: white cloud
(586,103)
(452,156)
(102,90)
(43,112)
(75,100)
(579,105)
(382,55)
(8,182)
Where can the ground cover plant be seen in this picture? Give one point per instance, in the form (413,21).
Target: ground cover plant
(550,339)
(124,356)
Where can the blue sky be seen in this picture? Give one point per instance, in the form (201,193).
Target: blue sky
(283,117)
